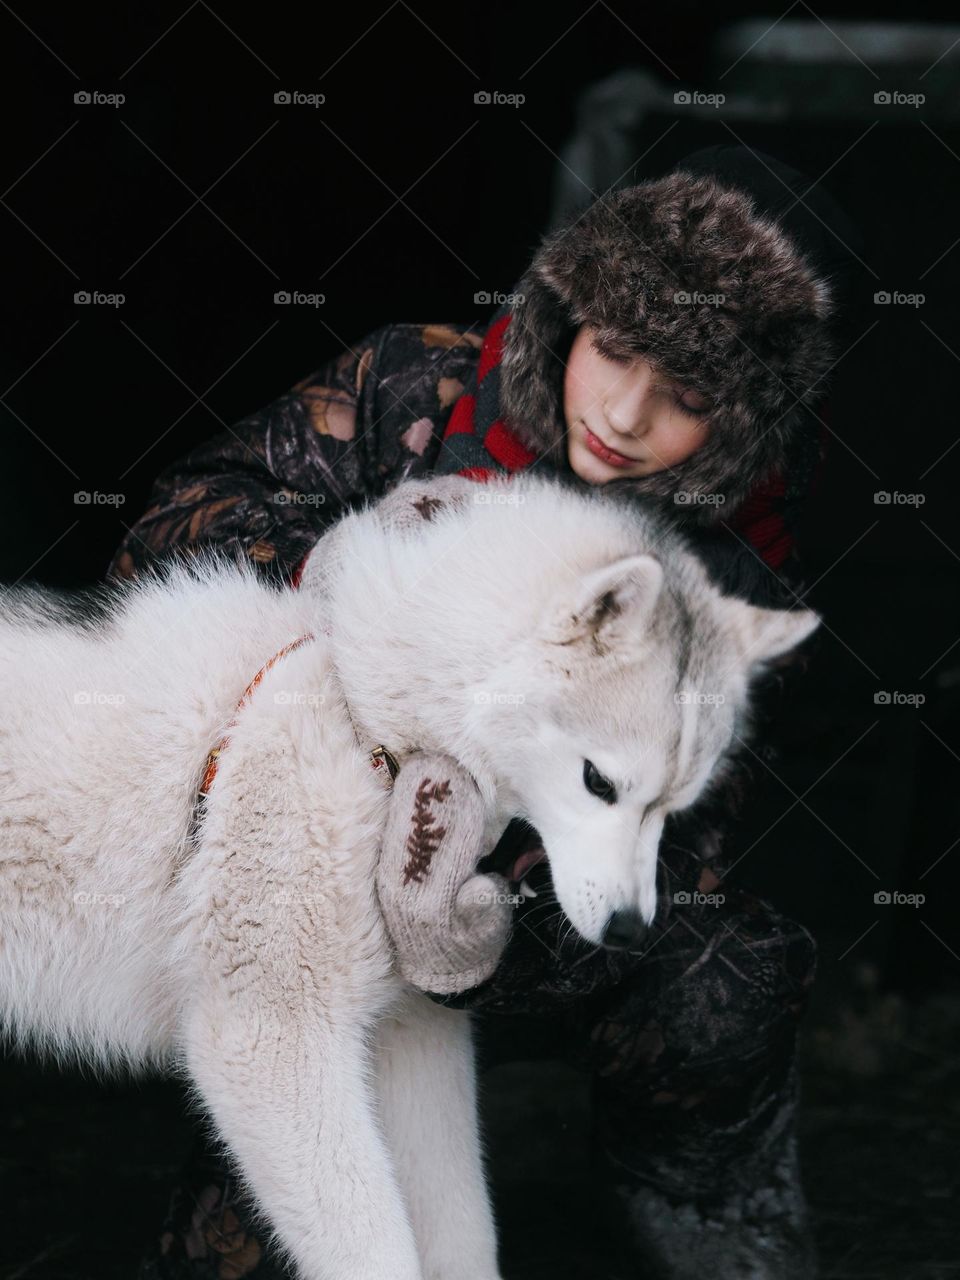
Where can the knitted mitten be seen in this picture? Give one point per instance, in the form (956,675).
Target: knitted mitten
(403,510)
(449,926)
(414,501)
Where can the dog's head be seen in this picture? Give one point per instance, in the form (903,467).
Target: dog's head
(638,689)
(570,650)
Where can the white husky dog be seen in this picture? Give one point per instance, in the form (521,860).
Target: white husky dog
(567,650)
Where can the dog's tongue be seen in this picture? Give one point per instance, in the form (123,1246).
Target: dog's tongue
(518,849)
(528,859)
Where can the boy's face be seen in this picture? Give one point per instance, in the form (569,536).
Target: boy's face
(624,418)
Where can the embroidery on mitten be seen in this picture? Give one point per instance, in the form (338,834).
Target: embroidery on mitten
(427,506)
(424,839)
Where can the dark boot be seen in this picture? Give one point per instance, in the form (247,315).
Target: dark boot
(695,1092)
(752,1226)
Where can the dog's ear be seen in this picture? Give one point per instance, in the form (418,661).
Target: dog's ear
(610,605)
(764,634)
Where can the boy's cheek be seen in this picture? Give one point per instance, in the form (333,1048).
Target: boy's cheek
(675,445)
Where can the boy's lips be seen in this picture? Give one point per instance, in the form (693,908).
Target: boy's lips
(610,456)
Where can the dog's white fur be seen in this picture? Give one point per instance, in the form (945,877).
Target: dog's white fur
(518,636)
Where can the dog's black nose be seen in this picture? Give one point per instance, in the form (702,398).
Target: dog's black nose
(625,930)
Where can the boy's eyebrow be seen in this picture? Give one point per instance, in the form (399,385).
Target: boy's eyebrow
(688,386)
(672,384)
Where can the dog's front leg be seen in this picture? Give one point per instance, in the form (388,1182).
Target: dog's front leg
(291,1094)
(427,1085)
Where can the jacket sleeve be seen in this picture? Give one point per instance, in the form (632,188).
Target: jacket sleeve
(269,486)
(768,526)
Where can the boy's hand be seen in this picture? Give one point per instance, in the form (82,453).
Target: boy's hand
(404,508)
(449,925)
(411,503)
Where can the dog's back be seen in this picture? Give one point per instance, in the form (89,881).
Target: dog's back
(110,704)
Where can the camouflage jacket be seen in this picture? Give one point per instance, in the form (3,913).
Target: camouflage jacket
(273,483)
(363,422)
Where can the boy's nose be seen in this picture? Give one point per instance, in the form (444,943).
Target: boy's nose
(627,420)
(625,930)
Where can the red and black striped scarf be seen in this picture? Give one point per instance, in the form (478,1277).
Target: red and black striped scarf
(479,443)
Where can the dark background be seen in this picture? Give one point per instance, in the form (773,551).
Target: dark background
(399,199)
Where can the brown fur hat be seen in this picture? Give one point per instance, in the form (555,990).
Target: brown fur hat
(686,271)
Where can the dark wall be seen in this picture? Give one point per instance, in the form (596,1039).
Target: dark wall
(398,199)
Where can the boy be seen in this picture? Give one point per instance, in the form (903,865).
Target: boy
(667,344)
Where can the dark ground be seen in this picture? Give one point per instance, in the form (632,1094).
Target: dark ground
(89,1167)
(879,1137)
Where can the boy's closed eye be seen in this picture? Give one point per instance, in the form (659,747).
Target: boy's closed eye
(623,417)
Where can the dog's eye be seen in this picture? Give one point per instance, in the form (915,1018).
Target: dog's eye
(597,784)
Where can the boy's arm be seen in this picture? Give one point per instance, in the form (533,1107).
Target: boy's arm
(273,483)
(266,486)
(362,423)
